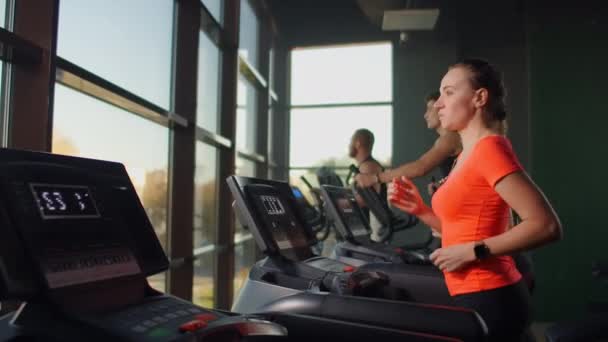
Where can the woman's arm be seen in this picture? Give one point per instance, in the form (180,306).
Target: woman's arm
(539,223)
(444,147)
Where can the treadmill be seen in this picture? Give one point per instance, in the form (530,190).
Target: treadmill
(292,279)
(313,216)
(354,232)
(76,247)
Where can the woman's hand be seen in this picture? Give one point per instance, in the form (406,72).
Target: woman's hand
(455,257)
(403,194)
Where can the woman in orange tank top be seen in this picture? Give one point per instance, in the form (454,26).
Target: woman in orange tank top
(471,208)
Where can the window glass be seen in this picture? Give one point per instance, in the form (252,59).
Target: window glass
(271,137)
(342,74)
(321,136)
(128,43)
(83,126)
(3,13)
(249,34)
(215,7)
(202,284)
(205,223)
(271,61)
(244,167)
(3,98)
(208,84)
(205,195)
(3,113)
(245,247)
(244,258)
(246,116)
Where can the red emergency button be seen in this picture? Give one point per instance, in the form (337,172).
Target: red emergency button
(399,250)
(192,326)
(348,268)
(206,317)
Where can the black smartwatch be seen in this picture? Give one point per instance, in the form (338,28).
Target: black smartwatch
(481,250)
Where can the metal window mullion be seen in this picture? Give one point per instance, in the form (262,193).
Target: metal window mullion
(77,78)
(225,258)
(182,158)
(213,139)
(251,156)
(251,74)
(30,120)
(263,101)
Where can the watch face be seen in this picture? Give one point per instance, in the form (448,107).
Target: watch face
(482,251)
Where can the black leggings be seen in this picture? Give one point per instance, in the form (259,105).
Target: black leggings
(505,310)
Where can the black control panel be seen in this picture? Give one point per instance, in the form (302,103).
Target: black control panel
(342,203)
(269,211)
(77,246)
(278,219)
(74,221)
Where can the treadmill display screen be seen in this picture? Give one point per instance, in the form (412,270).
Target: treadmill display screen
(280,221)
(64,201)
(350,214)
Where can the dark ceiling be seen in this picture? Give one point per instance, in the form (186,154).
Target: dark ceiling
(289,12)
(312,22)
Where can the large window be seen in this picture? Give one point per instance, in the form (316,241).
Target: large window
(336,125)
(343,74)
(127,43)
(84,126)
(132,86)
(335,91)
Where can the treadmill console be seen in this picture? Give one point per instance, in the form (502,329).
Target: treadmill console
(269,209)
(77,245)
(342,205)
(69,221)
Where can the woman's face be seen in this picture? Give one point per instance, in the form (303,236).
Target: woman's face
(456,104)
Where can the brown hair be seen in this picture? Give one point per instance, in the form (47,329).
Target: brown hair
(485,75)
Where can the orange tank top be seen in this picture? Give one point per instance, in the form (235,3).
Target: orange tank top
(471,210)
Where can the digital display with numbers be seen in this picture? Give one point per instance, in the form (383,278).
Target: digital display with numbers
(64,201)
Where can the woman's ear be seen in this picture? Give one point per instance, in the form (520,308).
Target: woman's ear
(480,98)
